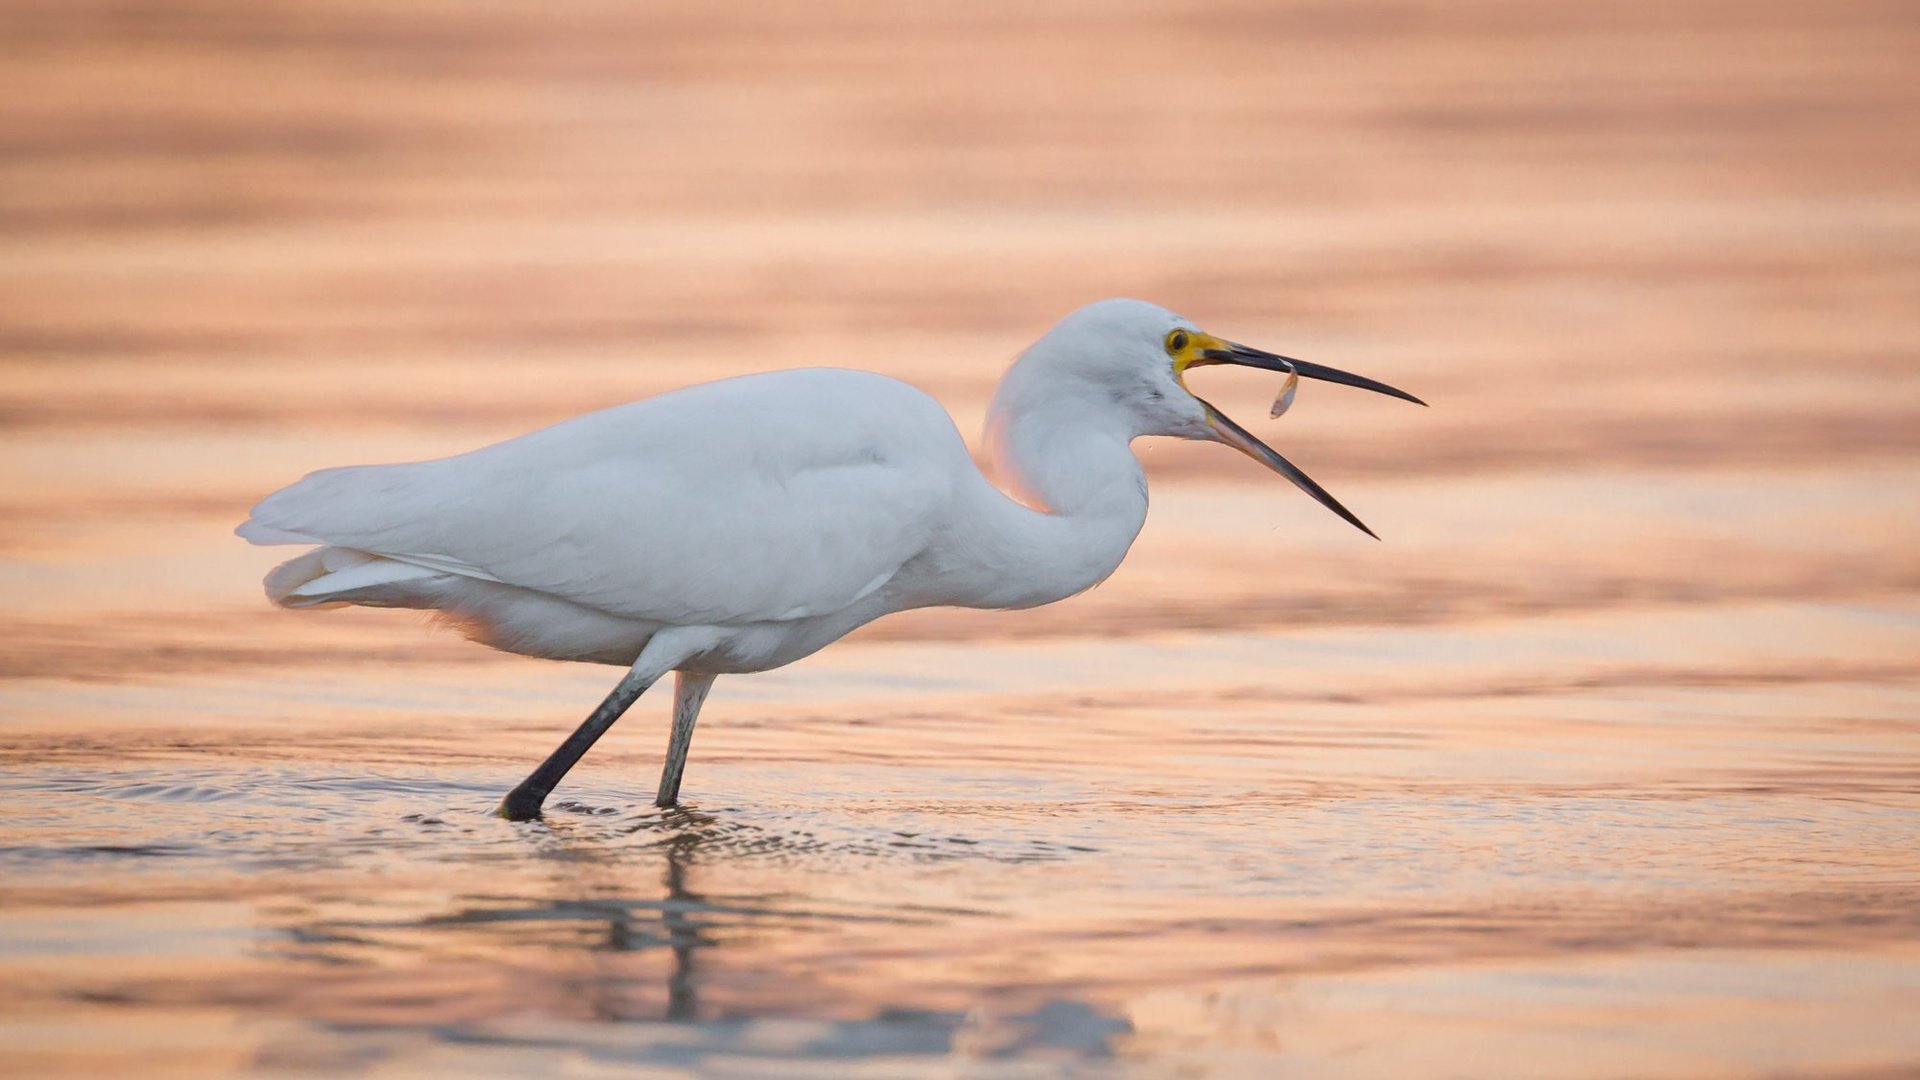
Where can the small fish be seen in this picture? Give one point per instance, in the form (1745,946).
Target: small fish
(1285,401)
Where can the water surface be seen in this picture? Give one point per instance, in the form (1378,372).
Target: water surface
(1602,764)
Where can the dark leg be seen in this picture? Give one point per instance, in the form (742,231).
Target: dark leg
(689,690)
(523,802)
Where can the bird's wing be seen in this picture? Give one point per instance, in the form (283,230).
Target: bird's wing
(768,497)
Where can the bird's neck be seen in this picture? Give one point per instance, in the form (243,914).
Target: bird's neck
(1082,497)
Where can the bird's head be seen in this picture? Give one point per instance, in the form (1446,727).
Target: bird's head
(1132,357)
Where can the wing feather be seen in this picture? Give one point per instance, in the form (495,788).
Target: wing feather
(768,497)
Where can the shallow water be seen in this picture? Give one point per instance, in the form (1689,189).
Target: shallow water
(1603,763)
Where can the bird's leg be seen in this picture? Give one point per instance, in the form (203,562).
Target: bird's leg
(689,690)
(523,802)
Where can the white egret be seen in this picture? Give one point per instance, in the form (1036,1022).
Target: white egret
(740,525)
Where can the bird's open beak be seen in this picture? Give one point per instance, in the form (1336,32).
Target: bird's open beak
(1226,352)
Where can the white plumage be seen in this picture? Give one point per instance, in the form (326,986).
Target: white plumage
(740,525)
(771,498)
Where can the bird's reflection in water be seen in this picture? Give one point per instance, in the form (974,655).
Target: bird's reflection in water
(678,917)
(588,885)
(621,948)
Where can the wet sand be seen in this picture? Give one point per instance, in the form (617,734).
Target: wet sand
(1602,764)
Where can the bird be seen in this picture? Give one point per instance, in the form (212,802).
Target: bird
(737,526)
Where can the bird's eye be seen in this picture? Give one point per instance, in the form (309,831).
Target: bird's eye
(1176,342)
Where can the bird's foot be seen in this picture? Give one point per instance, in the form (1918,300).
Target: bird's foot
(521,804)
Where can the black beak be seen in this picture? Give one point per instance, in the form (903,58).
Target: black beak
(1243,440)
(1266,361)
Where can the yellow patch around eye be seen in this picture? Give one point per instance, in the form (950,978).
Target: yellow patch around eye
(1194,354)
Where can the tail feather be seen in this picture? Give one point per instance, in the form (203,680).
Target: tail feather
(334,575)
(254,532)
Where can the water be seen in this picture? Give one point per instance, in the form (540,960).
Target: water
(1602,763)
